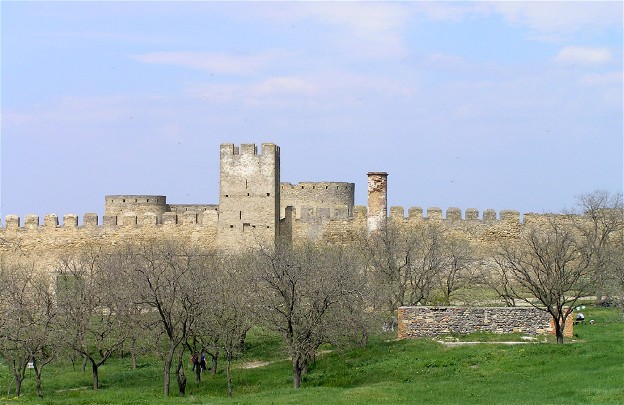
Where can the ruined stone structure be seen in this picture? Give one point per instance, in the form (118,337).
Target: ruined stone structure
(377,200)
(254,208)
(416,322)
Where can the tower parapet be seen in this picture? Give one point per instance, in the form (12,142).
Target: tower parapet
(325,200)
(135,205)
(249,196)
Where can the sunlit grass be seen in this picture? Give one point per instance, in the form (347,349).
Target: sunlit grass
(587,369)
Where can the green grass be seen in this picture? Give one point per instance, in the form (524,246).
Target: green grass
(587,369)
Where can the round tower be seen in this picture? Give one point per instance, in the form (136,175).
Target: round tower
(136,205)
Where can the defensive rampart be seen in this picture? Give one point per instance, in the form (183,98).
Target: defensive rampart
(416,322)
(318,200)
(45,243)
(252,209)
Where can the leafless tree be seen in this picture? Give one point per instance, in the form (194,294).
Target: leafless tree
(457,269)
(408,262)
(303,289)
(27,313)
(91,306)
(549,268)
(232,301)
(491,276)
(167,278)
(601,225)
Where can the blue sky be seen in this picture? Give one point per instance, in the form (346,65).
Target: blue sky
(504,105)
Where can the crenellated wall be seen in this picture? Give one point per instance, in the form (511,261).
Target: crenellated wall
(454,214)
(44,242)
(318,200)
(253,207)
(249,195)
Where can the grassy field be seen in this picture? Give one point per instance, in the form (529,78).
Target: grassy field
(588,369)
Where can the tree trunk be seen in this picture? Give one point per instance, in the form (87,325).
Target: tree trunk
(18,385)
(215,360)
(167,369)
(180,375)
(39,386)
(94,368)
(559,328)
(229,374)
(297,369)
(84,363)
(133,354)
(197,368)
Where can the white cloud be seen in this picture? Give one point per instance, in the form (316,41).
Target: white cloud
(452,11)
(212,62)
(561,17)
(445,61)
(373,29)
(285,85)
(584,55)
(603,79)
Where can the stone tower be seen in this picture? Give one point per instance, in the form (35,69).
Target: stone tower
(249,196)
(377,200)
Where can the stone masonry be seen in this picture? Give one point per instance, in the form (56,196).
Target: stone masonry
(414,322)
(254,208)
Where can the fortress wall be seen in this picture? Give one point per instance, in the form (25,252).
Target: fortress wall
(416,322)
(120,205)
(46,242)
(199,208)
(482,232)
(326,200)
(455,214)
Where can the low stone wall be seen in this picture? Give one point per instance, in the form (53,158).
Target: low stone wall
(434,321)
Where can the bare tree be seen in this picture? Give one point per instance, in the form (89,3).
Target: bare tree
(457,266)
(167,278)
(303,289)
(14,318)
(549,268)
(601,224)
(27,311)
(492,276)
(91,307)
(406,262)
(233,300)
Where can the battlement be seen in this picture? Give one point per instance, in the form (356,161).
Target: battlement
(138,205)
(318,185)
(249,195)
(455,214)
(91,220)
(254,206)
(267,149)
(322,200)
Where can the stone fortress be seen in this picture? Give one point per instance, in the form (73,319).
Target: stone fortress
(254,208)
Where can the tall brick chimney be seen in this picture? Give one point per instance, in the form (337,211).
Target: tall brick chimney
(377,201)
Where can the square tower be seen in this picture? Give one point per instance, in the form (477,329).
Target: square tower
(249,196)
